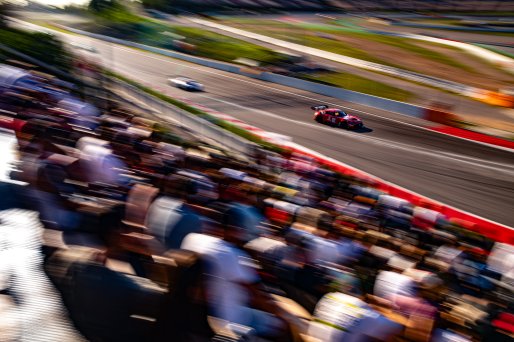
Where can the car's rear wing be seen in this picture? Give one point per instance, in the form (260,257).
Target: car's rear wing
(319,107)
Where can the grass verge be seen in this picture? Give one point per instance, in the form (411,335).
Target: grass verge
(362,85)
(224,48)
(495,49)
(406,45)
(120,22)
(193,110)
(338,47)
(302,33)
(54,27)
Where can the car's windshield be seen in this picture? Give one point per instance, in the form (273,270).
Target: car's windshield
(339,113)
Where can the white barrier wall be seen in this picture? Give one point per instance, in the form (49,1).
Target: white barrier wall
(346,95)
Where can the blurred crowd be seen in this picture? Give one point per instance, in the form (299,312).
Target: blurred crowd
(148,240)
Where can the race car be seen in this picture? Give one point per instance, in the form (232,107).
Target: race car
(336,117)
(186,83)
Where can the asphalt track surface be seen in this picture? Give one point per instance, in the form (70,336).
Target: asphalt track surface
(469,176)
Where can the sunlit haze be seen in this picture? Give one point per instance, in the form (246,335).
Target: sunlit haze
(58,3)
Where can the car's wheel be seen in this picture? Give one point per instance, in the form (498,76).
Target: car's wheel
(318,118)
(343,124)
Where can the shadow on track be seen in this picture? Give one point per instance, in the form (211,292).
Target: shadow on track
(364,130)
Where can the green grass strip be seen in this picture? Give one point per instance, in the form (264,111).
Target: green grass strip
(361,85)
(305,35)
(494,49)
(121,23)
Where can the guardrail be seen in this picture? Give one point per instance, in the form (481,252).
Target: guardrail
(199,125)
(346,95)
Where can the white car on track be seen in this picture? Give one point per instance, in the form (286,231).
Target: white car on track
(186,83)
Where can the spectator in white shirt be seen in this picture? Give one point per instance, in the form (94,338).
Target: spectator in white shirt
(340,317)
(233,285)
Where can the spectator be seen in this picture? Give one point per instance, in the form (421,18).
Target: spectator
(243,212)
(395,260)
(169,217)
(340,317)
(234,284)
(99,165)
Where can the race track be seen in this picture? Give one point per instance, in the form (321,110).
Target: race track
(472,177)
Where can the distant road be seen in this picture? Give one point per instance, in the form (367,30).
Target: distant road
(503,42)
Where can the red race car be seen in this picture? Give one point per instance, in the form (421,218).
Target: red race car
(336,117)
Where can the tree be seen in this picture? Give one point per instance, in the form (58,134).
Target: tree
(4,11)
(161,5)
(102,5)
